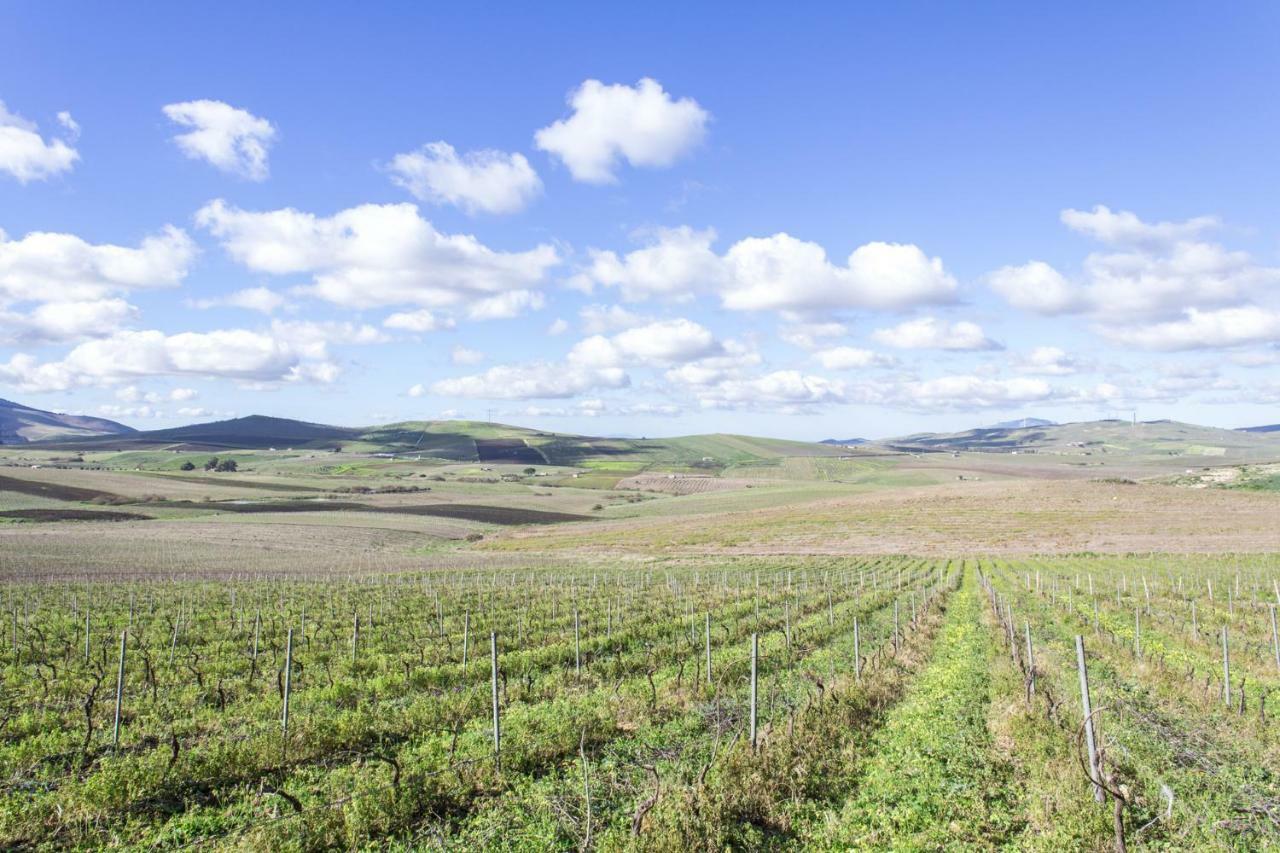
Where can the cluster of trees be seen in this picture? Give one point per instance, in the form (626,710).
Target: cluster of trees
(214,464)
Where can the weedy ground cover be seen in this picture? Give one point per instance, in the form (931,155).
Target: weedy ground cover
(900,703)
(390,686)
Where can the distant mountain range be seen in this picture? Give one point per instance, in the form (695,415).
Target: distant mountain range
(460,441)
(1023,423)
(1102,436)
(481,441)
(20,424)
(250,433)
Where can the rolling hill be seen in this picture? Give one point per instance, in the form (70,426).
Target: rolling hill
(1165,443)
(255,432)
(1023,423)
(1161,438)
(21,424)
(455,441)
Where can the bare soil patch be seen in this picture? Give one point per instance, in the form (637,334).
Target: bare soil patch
(72,515)
(231,481)
(467,512)
(57,491)
(681,484)
(488,514)
(508,450)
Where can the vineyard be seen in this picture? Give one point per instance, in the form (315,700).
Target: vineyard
(754,703)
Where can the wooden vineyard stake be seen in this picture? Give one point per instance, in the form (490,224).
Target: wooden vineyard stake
(115,729)
(1090,740)
(708,641)
(288,684)
(857,652)
(1275,637)
(755,655)
(1226,668)
(497,725)
(1031,663)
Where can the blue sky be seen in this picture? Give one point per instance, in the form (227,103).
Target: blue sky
(801,221)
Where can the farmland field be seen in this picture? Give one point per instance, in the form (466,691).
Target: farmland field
(895,706)
(311,653)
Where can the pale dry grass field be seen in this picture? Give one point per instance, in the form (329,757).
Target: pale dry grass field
(245,549)
(683,517)
(681,484)
(1005,517)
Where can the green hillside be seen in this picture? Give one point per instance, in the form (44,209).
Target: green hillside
(1145,439)
(444,441)
(476,441)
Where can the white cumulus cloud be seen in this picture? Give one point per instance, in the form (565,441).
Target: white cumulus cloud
(808,336)
(673,263)
(51,267)
(536,380)
(1124,227)
(234,354)
(1224,327)
(231,139)
(968,392)
(381,255)
(777,273)
(59,322)
(1155,271)
(609,318)
(504,306)
(1036,286)
(421,320)
(787,391)
(665,342)
(285,352)
(27,156)
(485,181)
(1049,361)
(932,333)
(641,124)
(851,358)
(781,272)
(261,299)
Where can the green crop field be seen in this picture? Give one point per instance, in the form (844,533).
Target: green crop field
(356,649)
(896,703)
(391,688)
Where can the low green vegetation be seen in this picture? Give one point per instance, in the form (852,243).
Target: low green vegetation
(934,779)
(919,729)
(620,582)
(390,698)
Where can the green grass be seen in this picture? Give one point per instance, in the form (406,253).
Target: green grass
(202,748)
(935,780)
(1264,483)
